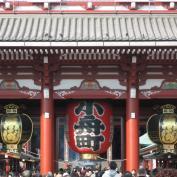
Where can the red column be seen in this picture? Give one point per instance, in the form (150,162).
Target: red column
(47,123)
(132,114)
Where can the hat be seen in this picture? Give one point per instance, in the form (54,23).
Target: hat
(65,174)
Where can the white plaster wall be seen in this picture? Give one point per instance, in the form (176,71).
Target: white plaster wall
(68,83)
(28,83)
(151,83)
(111,83)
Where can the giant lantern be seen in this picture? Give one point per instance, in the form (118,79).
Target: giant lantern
(89,127)
(162,129)
(15,128)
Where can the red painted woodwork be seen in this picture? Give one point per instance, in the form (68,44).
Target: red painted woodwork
(46,137)
(47,127)
(86,94)
(132,135)
(90,94)
(19,94)
(132,123)
(95,126)
(158,94)
(39,5)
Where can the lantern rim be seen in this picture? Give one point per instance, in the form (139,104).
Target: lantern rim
(148,124)
(31,127)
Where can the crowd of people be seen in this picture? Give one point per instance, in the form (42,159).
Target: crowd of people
(111,171)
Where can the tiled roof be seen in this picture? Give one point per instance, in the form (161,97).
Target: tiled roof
(63,28)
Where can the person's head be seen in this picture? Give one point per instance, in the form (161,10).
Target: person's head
(127,174)
(83,171)
(154,172)
(74,170)
(65,174)
(98,167)
(141,172)
(112,165)
(49,174)
(61,171)
(133,172)
(26,173)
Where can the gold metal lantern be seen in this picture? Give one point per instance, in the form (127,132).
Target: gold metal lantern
(162,129)
(15,128)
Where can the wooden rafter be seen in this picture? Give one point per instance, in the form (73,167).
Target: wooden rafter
(87,6)
(85,62)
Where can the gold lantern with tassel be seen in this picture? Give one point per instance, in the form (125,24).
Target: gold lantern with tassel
(16,128)
(162,129)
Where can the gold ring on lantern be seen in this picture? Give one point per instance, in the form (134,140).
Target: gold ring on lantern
(148,129)
(31,127)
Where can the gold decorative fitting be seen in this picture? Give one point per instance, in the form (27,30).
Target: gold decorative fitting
(89,156)
(169,148)
(168,108)
(11,108)
(12,148)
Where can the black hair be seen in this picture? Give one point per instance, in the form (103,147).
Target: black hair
(112,165)
(127,174)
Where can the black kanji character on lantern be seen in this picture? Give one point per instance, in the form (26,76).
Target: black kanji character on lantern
(87,107)
(88,129)
(89,141)
(89,124)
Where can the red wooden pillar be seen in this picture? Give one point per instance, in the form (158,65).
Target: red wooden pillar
(47,122)
(132,114)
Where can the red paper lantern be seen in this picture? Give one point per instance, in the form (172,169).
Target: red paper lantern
(89,126)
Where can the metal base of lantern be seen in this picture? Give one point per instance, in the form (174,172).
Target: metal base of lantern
(169,148)
(89,156)
(11,148)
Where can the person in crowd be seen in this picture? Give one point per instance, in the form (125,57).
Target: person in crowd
(10,175)
(97,172)
(66,174)
(26,173)
(154,172)
(127,174)
(74,173)
(133,173)
(112,170)
(167,173)
(82,172)
(88,173)
(142,172)
(60,173)
(50,174)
